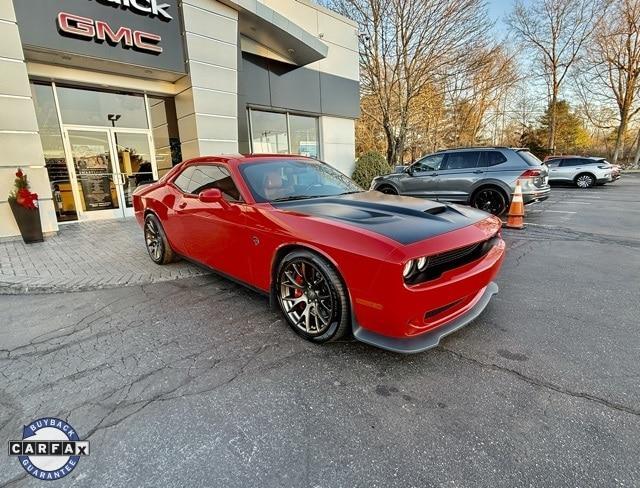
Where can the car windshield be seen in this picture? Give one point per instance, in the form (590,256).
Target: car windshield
(295,179)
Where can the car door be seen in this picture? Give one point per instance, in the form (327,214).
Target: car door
(216,233)
(568,168)
(421,179)
(458,174)
(172,221)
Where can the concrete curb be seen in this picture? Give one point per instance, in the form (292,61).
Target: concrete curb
(29,286)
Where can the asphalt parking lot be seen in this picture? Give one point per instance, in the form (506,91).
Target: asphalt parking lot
(197,383)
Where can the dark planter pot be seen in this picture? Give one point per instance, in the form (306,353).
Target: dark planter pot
(28,221)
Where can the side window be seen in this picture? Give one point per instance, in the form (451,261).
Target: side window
(429,163)
(462,160)
(570,162)
(554,163)
(491,158)
(183,179)
(208,176)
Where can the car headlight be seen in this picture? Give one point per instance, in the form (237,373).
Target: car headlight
(406,271)
(422,262)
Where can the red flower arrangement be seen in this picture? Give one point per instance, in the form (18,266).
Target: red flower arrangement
(21,193)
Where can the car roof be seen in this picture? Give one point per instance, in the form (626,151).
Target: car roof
(573,156)
(475,148)
(236,159)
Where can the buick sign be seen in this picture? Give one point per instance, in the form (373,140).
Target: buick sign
(150,7)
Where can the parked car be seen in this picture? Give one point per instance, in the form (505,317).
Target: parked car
(616,170)
(399,273)
(484,177)
(582,171)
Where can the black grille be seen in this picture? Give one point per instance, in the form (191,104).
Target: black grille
(439,263)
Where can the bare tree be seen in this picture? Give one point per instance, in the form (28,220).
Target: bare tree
(557,31)
(612,68)
(479,89)
(407,47)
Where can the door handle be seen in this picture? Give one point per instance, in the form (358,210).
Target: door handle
(433,174)
(478,171)
(182,204)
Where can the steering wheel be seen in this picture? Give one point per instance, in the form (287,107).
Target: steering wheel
(314,185)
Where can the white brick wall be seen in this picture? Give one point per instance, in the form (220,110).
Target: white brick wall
(207,104)
(19,139)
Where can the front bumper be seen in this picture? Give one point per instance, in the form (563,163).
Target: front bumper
(429,339)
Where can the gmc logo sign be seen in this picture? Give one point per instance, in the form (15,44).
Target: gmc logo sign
(100,31)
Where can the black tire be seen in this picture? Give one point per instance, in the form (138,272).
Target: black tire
(490,199)
(585,180)
(387,190)
(304,278)
(156,241)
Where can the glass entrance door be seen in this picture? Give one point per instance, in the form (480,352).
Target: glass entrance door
(108,165)
(97,185)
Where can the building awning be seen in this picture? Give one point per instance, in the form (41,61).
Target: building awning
(271,29)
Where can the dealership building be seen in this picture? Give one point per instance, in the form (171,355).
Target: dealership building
(99,96)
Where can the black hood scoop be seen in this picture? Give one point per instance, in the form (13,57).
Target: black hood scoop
(403,219)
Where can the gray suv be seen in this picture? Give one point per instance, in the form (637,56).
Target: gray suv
(483,177)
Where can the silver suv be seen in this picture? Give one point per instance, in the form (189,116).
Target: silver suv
(484,177)
(583,172)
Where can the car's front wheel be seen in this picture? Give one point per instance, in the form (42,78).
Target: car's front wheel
(312,297)
(156,241)
(585,181)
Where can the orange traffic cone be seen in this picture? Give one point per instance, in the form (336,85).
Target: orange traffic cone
(515,217)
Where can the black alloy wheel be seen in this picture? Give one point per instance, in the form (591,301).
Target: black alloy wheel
(156,241)
(490,200)
(312,297)
(387,190)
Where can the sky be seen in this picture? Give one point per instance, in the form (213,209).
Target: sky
(498,10)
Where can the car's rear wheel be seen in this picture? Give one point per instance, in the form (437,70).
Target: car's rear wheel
(156,241)
(312,297)
(388,190)
(585,180)
(490,200)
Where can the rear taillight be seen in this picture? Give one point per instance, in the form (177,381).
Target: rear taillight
(531,173)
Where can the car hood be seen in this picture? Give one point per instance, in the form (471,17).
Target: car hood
(404,219)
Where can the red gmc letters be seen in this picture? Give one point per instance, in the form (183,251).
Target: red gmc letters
(101,31)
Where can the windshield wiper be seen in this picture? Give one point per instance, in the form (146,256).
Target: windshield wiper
(350,192)
(294,197)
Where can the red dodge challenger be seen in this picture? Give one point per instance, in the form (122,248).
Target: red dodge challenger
(397,272)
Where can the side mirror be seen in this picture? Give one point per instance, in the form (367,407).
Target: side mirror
(409,170)
(212,195)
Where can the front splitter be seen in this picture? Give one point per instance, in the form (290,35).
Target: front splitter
(430,339)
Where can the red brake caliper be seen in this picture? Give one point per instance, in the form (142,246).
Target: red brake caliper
(298,292)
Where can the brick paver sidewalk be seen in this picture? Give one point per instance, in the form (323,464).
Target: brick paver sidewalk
(85,256)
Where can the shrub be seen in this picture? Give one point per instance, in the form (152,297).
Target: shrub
(368,166)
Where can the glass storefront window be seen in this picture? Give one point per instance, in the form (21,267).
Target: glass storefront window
(54,157)
(304,136)
(284,133)
(166,135)
(269,132)
(102,109)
